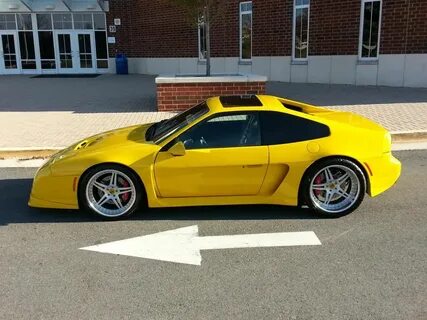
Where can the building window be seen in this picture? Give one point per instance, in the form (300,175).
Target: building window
(246,30)
(202,38)
(26,41)
(47,52)
(24,21)
(26,45)
(44,21)
(62,21)
(83,21)
(370,22)
(99,21)
(101,50)
(7,22)
(300,28)
(101,45)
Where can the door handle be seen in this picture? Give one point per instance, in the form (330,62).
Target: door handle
(252,166)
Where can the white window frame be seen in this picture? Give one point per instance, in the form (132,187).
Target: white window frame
(294,28)
(362,18)
(241,13)
(201,57)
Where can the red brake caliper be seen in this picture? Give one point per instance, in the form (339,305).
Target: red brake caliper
(125,196)
(318,180)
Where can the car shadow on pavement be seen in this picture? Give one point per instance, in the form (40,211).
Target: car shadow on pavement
(14,209)
(236,212)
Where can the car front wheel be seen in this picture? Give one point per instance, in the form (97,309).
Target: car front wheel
(110,191)
(334,187)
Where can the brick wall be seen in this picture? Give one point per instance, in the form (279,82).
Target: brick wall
(404,27)
(181,96)
(417,30)
(272,27)
(225,30)
(124,43)
(393,26)
(334,27)
(160,29)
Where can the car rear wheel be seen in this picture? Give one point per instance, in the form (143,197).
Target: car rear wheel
(334,187)
(110,191)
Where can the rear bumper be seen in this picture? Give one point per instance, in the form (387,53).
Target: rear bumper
(383,173)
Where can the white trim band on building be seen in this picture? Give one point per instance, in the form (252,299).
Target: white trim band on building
(395,70)
(215,78)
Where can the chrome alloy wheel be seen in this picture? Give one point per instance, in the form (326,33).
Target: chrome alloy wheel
(335,188)
(110,193)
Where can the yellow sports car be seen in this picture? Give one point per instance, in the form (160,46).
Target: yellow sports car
(224,151)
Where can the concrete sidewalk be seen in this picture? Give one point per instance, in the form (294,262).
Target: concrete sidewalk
(53,113)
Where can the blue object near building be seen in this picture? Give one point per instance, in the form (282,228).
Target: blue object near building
(121,64)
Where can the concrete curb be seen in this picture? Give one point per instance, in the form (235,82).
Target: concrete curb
(408,136)
(28,153)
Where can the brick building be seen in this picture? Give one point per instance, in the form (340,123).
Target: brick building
(363,42)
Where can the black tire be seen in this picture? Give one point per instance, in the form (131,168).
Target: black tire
(124,173)
(317,200)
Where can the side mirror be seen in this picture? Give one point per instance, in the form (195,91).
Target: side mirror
(178,149)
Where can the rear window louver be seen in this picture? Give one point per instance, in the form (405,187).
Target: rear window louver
(294,108)
(240,101)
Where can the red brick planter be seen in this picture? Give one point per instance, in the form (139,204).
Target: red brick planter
(179,93)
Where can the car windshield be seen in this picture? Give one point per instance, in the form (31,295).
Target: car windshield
(164,129)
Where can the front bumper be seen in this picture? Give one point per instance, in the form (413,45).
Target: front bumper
(56,192)
(40,203)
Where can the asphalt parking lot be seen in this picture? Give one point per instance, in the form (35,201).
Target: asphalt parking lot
(370,265)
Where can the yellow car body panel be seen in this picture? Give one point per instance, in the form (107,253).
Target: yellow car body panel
(211,172)
(222,176)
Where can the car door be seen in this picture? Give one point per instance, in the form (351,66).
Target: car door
(223,157)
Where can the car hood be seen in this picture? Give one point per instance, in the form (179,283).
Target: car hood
(125,145)
(128,135)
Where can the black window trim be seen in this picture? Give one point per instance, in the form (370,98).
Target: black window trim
(171,143)
(231,113)
(287,114)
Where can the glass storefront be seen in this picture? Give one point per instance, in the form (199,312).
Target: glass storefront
(53,43)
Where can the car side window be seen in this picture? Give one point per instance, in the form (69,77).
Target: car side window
(224,131)
(281,128)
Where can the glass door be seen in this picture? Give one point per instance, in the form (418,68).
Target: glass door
(65,57)
(9,54)
(75,52)
(85,54)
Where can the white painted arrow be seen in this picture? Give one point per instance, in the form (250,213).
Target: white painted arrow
(183,245)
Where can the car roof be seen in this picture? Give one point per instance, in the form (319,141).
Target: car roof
(245,102)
